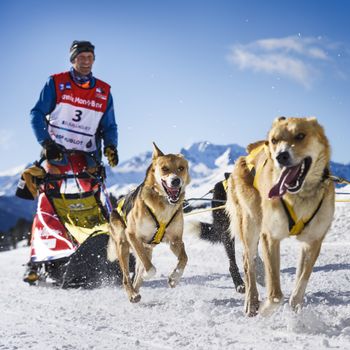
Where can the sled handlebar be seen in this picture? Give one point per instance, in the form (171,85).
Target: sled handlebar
(68,153)
(58,177)
(98,174)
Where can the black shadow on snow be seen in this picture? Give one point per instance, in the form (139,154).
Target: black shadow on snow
(198,280)
(332,298)
(228,302)
(325,268)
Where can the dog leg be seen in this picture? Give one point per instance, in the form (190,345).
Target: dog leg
(123,257)
(271,251)
(308,255)
(123,251)
(251,304)
(178,248)
(140,271)
(250,242)
(229,245)
(138,275)
(142,254)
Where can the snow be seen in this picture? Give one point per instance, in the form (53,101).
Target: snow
(202,312)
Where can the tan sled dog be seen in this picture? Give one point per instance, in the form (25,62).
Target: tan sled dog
(150,214)
(282,188)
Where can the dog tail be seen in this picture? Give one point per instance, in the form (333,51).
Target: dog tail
(193,228)
(209,233)
(111,250)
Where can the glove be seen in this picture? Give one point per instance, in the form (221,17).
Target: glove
(111,154)
(52,151)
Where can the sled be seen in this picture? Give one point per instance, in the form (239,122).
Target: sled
(73,208)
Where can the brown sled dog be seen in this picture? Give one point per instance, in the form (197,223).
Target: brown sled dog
(282,188)
(150,214)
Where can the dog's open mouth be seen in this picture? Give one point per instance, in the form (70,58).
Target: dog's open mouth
(291,179)
(173,193)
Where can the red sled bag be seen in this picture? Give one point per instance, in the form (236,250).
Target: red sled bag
(73,206)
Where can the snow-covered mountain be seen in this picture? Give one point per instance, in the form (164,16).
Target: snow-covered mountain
(208,163)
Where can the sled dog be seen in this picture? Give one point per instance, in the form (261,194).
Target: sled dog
(150,214)
(282,188)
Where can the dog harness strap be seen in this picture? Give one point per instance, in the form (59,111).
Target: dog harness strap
(314,214)
(120,209)
(225,185)
(161,226)
(257,174)
(252,155)
(289,212)
(296,226)
(126,203)
(250,163)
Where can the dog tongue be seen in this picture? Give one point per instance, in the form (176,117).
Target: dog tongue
(287,177)
(173,192)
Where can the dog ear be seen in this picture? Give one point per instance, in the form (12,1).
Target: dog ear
(267,149)
(279,119)
(254,145)
(156,151)
(312,120)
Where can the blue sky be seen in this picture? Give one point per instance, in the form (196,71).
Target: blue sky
(183,71)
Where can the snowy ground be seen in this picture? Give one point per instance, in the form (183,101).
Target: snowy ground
(203,312)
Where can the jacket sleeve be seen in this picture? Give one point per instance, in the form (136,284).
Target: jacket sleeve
(109,128)
(44,106)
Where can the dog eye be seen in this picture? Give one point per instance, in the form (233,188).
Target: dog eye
(165,169)
(300,136)
(274,141)
(180,168)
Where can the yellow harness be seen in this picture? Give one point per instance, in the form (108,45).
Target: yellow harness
(225,185)
(296,226)
(250,162)
(120,210)
(161,226)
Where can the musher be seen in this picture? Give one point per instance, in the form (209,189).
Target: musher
(75,112)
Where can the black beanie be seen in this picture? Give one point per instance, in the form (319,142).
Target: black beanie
(80,46)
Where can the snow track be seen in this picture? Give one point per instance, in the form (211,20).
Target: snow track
(203,312)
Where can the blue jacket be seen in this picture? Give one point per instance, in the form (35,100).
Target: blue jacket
(108,130)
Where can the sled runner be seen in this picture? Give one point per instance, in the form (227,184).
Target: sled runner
(70,228)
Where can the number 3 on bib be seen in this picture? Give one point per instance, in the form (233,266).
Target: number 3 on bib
(78,114)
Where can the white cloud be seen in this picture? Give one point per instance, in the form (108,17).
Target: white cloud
(293,57)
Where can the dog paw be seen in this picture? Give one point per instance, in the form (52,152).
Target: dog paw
(270,306)
(147,275)
(174,278)
(295,304)
(240,288)
(251,309)
(135,298)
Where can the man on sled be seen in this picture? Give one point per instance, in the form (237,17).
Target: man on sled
(70,230)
